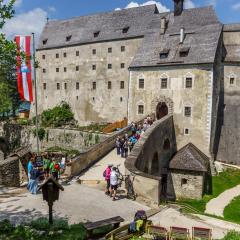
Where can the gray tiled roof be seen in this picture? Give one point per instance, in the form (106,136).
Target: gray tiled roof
(190,158)
(109,24)
(202,29)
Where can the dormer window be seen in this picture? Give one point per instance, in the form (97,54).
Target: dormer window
(164,53)
(45,41)
(96,34)
(125,30)
(68,38)
(184,52)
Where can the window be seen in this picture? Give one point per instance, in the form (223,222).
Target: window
(187,111)
(64,54)
(122,65)
(188,82)
(94,51)
(184,52)
(164,53)
(109,85)
(77,53)
(125,30)
(232,80)
(121,99)
(122,48)
(184,181)
(68,38)
(65,69)
(58,86)
(141,83)
(96,34)
(44,86)
(45,41)
(57,55)
(122,85)
(65,86)
(44,70)
(93,67)
(186,131)
(109,66)
(57,69)
(94,85)
(77,85)
(77,68)
(43,56)
(164,83)
(77,97)
(140,109)
(110,50)
(93,98)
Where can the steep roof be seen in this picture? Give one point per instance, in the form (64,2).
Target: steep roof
(190,158)
(232,27)
(108,26)
(202,33)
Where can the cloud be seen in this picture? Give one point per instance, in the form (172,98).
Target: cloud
(18,3)
(236,6)
(117,9)
(52,9)
(189,4)
(160,6)
(26,23)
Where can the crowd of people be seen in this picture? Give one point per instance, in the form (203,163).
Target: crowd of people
(49,165)
(125,144)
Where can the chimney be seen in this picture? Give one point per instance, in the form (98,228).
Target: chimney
(163,25)
(182,35)
(178,7)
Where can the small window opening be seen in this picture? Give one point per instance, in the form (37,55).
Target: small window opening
(45,41)
(94,67)
(58,86)
(121,99)
(65,86)
(140,109)
(164,83)
(77,68)
(96,34)
(77,97)
(43,56)
(44,70)
(65,54)
(188,83)
(122,65)
(77,53)
(164,54)
(122,85)
(44,86)
(109,66)
(232,80)
(57,69)
(57,55)
(109,85)
(186,131)
(68,38)
(94,85)
(110,50)
(94,51)
(125,29)
(184,181)
(77,85)
(184,52)
(141,83)
(187,111)
(122,48)
(65,69)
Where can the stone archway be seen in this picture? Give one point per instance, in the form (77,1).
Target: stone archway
(160,100)
(161,110)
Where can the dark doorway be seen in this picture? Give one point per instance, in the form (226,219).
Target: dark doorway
(161,110)
(155,165)
(163,194)
(166,145)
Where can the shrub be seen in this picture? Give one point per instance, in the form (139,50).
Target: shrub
(24,122)
(41,133)
(57,116)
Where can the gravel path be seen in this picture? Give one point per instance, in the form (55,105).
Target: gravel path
(216,205)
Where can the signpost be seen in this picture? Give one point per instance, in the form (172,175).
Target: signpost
(50,191)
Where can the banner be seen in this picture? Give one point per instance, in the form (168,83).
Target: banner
(24,75)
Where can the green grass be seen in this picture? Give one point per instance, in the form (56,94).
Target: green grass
(232,211)
(225,180)
(232,236)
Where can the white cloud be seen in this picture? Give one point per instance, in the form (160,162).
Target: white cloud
(52,9)
(117,9)
(26,23)
(236,6)
(189,4)
(160,6)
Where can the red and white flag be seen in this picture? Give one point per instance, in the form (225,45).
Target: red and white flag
(24,75)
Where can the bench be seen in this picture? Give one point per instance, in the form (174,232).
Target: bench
(179,233)
(201,233)
(158,231)
(91,226)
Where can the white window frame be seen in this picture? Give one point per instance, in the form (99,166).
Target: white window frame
(144,110)
(185,134)
(232,75)
(141,77)
(187,105)
(164,76)
(189,75)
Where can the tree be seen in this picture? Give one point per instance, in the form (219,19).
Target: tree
(9,98)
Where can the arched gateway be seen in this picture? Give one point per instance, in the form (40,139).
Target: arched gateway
(161,110)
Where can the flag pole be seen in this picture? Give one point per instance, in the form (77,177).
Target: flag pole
(35,92)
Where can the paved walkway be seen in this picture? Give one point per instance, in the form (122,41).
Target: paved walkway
(96,171)
(216,205)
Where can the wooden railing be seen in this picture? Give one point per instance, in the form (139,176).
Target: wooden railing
(113,126)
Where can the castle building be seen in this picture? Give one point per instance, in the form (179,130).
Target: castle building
(137,61)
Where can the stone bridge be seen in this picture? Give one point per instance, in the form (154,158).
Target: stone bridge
(150,157)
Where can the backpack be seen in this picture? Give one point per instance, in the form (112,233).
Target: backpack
(104,173)
(57,166)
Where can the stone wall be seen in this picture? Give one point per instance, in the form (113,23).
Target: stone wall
(191,189)
(10,172)
(142,161)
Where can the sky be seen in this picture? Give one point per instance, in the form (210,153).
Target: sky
(31,15)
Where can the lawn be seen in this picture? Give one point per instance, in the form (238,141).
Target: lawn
(232,211)
(225,180)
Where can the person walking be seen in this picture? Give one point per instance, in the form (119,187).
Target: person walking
(118,146)
(29,169)
(125,145)
(46,165)
(122,147)
(107,174)
(114,183)
(55,168)
(34,178)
